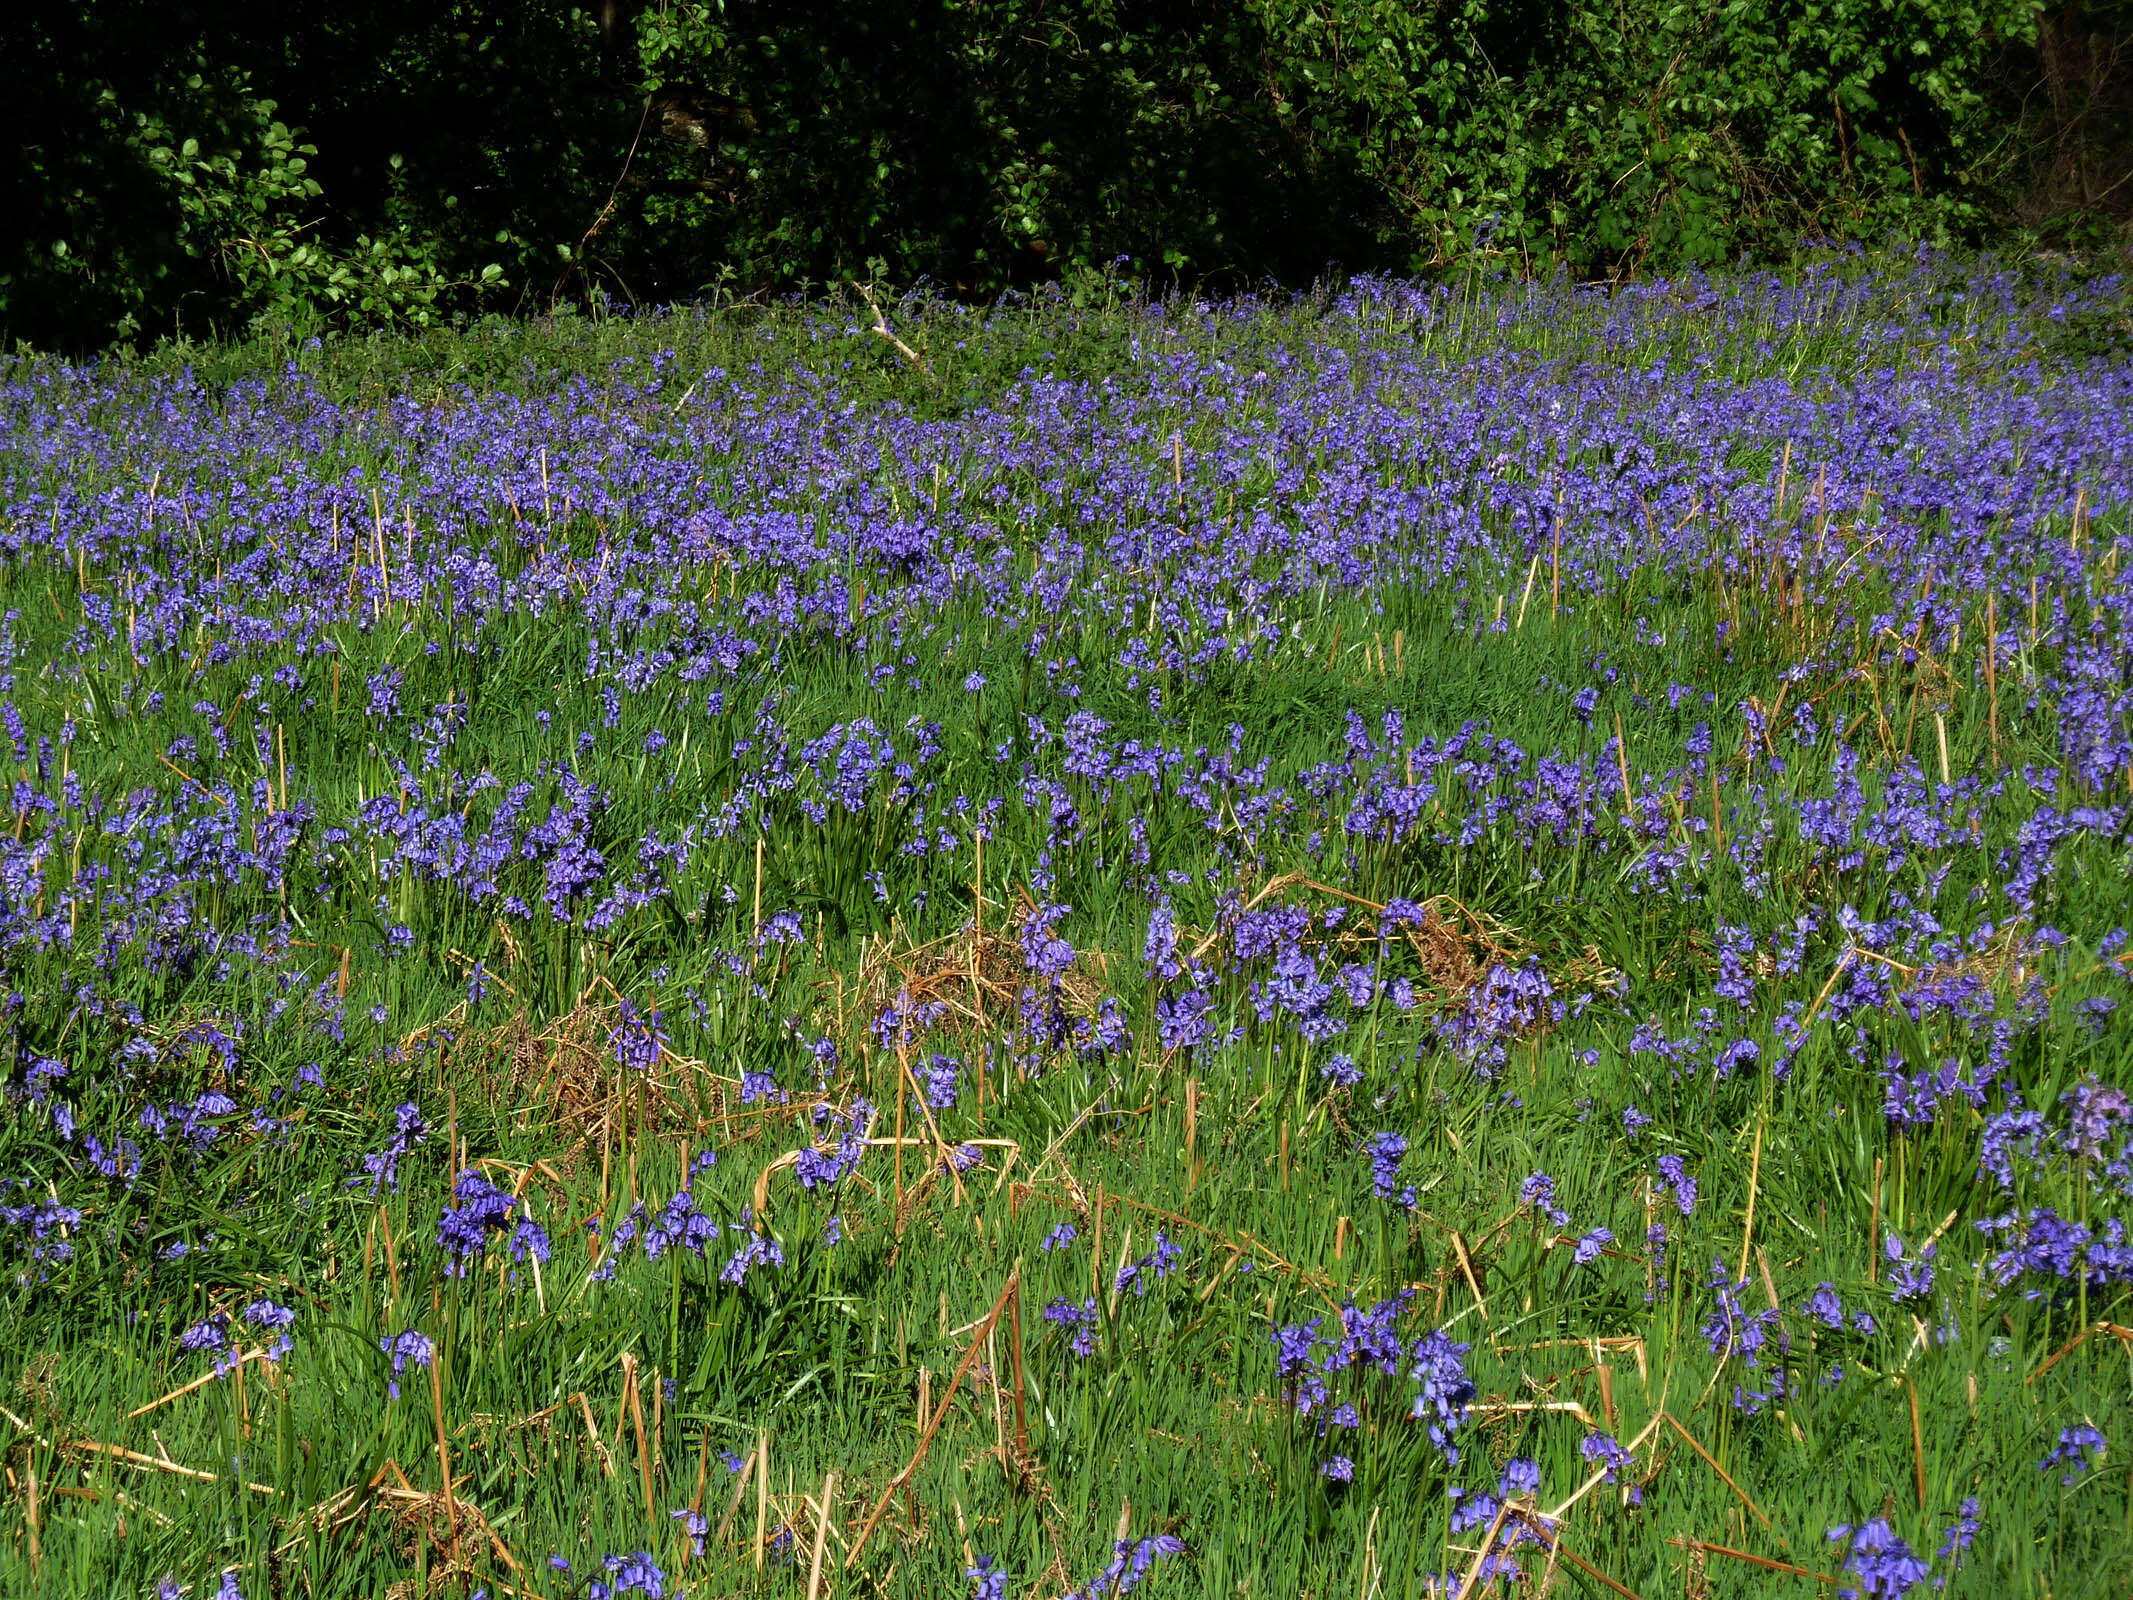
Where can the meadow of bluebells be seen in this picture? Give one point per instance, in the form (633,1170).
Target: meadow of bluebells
(1481,884)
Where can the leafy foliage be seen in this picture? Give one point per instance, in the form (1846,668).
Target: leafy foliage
(179,169)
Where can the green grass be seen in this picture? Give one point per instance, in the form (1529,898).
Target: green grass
(1176,1415)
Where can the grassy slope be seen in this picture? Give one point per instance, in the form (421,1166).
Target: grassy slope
(1174,1411)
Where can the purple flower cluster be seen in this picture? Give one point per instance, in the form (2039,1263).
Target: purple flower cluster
(631,1574)
(820,1168)
(2082,1445)
(43,1228)
(1878,1561)
(1607,1453)
(1078,1320)
(479,1210)
(1441,1401)
(403,1348)
(639,1039)
(384,1165)
(1131,1561)
(273,1319)
(988,1580)
(842,649)
(1386,1152)
(1158,1263)
(757,1250)
(1510,1003)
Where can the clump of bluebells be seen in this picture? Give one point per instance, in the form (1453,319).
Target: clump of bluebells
(1731,1332)
(1516,1525)
(2081,1446)
(479,1211)
(636,1573)
(1538,1191)
(1878,1560)
(846,1133)
(409,1347)
(757,1250)
(1131,1562)
(210,1335)
(1386,1152)
(1157,1264)
(988,1580)
(409,1131)
(1315,1367)
(271,1319)
(1605,1451)
(1444,1390)
(639,1039)
(1078,1320)
(44,1229)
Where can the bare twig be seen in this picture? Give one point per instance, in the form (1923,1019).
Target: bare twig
(1545,1531)
(1768,1565)
(881,327)
(933,1423)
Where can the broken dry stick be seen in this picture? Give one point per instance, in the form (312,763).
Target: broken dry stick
(1547,1534)
(762,1494)
(933,1423)
(1711,1461)
(822,1522)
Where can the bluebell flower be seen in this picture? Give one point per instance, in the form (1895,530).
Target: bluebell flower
(1079,1322)
(1159,1262)
(408,1346)
(1341,1071)
(210,1334)
(758,1251)
(632,1574)
(1472,1509)
(1824,1306)
(1881,1562)
(1386,1151)
(479,1209)
(1607,1453)
(638,1040)
(1675,1176)
(1908,1279)
(988,1578)
(1441,1403)
(2075,1443)
(1730,1329)
(1962,1532)
(694,1525)
(1130,1563)
(265,1314)
(1538,1191)
(384,1166)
